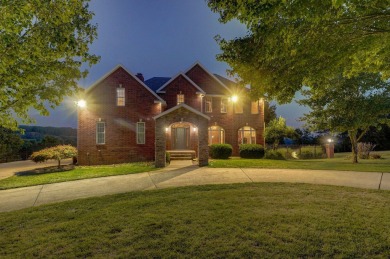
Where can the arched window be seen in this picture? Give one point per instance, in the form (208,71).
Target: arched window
(216,135)
(247,135)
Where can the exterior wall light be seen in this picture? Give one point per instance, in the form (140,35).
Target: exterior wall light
(234,98)
(81,103)
(194,129)
(166,129)
(330,140)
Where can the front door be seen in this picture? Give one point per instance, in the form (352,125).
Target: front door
(180,138)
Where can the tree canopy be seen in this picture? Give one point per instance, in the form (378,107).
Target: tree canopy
(276,130)
(349,104)
(294,43)
(43,45)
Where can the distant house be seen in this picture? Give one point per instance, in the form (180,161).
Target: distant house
(128,119)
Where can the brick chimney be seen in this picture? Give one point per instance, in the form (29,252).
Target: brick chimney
(140,76)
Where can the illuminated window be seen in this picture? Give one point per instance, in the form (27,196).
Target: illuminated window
(255,107)
(224,104)
(247,135)
(140,132)
(180,99)
(216,135)
(100,132)
(120,96)
(238,107)
(209,104)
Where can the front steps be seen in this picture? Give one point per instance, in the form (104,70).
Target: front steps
(182,154)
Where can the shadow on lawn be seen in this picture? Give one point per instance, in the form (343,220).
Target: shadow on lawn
(45,170)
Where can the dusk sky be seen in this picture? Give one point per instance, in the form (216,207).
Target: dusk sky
(155,38)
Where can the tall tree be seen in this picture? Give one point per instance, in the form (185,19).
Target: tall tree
(276,131)
(10,144)
(349,104)
(294,43)
(269,112)
(43,45)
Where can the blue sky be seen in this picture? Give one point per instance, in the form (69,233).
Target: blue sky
(156,38)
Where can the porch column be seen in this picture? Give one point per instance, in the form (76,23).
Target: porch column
(160,142)
(203,148)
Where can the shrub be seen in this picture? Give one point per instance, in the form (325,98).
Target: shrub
(251,151)
(55,153)
(364,150)
(274,155)
(306,154)
(221,151)
(375,156)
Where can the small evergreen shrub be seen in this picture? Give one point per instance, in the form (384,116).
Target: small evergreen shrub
(274,155)
(220,151)
(251,151)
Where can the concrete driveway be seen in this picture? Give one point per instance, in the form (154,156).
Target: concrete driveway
(181,174)
(9,169)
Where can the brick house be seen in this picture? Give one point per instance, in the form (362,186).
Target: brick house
(129,119)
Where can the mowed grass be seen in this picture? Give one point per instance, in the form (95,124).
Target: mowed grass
(258,220)
(339,162)
(80,172)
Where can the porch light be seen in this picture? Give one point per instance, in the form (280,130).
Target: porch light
(330,140)
(194,129)
(234,98)
(81,103)
(166,129)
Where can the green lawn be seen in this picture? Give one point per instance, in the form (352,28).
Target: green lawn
(80,172)
(340,162)
(262,220)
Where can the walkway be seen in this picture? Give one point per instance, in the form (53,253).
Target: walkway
(181,173)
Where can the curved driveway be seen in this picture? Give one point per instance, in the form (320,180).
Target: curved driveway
(181,173)
(9,169)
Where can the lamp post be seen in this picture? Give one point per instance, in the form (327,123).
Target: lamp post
(329,146)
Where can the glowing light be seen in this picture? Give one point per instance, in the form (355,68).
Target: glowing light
(234,98)
(194,129)
(81,103)
(166,129)
(330,140)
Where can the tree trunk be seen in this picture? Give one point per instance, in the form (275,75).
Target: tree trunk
(354,143)
(59,163)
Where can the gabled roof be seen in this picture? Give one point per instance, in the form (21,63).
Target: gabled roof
(155,83)
(210,74)
(132,75)
(229,83)
(182,105)
(185,77)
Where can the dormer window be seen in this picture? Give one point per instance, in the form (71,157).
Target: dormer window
(120,96)
(180,98)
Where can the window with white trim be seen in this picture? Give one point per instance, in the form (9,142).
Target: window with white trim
(246,135)
(216,135)
(209,104)
(120,96)
(238,108)
(140,132)
(100,132)
(255,107)
(180,99)
(224,104)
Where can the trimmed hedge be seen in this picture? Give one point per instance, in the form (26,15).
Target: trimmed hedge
(251,151)
(274,155)
(220,151)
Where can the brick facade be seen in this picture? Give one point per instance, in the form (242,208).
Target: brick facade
(143,104)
